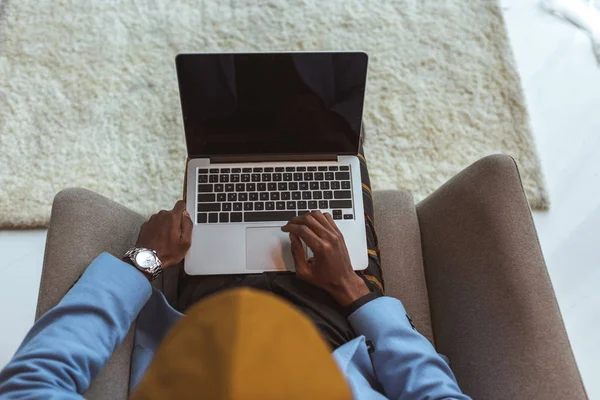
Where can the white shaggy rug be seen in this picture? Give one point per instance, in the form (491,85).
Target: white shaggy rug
(88,91)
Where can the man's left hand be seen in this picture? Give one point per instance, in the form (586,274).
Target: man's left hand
(169,233)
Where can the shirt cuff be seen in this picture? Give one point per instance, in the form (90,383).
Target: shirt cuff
(350,309)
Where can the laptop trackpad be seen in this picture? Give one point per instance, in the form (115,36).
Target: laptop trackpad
(268,249)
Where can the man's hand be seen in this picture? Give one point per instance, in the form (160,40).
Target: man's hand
(169,233)
(330,268)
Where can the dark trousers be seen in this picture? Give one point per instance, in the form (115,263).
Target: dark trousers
(317,304)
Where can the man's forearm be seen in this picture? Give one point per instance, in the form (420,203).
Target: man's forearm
(67,346)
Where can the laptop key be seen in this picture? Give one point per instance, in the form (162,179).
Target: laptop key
(302,205)
(214,170)
(340,204)
(203,171)
(225,170)
(262,216)
(296,195)
(314,186)
(319,176)
(202,218)
(229,187)
(300,169)
(277,177)
(264,196)
(313,205)
(266,177)
(324,186)
(311,168)
(308,176)
(224,178)
(285,196)
(209,207)
(306,195)
(235,217)
(290,169)
(274,195)
(291,205)
(298,176)
(250,187)
(272,186)
(237,207)
(340,176)
(221,197)
(344,168)
(236,170)
(268,169)
(339,216)
(328,194)
(203,179)
(279,169)
(261,187)
(317,195)
(302,212)
(282,186)
(347,216)
(337,212)
(245,177)
(240,187)
(243,196)
(303,185)
(226,206)
(333,168)
(213,217)
(235,178)
(219,187)
(280,205)
(270,205)
(232,197)
(342,194)
(293,185)
(246,169)
(329,176)
(255,177)
(257,169)
(206,198)
(205,188)
(346,185)
(213,179)
(335,185)
(253,196)
(322,168)
(323,204)
(259,206)
(223,217)
(287,177)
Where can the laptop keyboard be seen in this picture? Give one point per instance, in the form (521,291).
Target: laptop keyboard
(261,194)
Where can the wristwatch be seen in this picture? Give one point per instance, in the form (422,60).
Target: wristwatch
(146,261)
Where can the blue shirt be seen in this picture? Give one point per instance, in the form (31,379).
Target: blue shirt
(66,348)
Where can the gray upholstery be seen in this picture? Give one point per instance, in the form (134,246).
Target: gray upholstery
(465,262)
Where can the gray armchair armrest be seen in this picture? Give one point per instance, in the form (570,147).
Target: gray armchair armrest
(493,309)
(84,224)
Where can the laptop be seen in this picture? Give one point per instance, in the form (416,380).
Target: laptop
(270,136)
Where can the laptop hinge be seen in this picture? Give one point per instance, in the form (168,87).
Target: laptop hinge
(272,158)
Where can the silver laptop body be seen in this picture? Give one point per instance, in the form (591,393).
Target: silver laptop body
(270,136)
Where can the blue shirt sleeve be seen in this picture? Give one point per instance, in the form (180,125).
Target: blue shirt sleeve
(66,348)
(406,364)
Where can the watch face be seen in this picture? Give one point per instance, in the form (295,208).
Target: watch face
(145,259)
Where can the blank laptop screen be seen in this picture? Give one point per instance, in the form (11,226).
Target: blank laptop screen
(272,103)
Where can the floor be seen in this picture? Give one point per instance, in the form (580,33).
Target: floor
(561,81)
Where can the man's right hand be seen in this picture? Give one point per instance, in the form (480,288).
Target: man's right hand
(330,268)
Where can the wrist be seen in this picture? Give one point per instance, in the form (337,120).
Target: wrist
(128,261)
(350,291)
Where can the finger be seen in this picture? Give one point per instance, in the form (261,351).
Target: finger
(305,233)
(179,206)
(310,221)
(187,225)
(333,224)
(320,217)
(302,267)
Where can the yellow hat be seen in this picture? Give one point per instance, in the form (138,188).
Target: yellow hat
(243,345)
